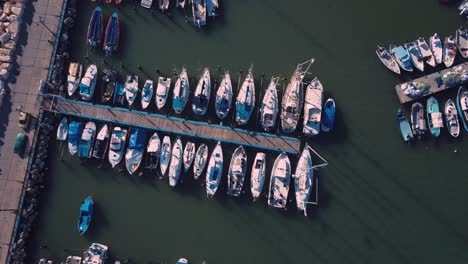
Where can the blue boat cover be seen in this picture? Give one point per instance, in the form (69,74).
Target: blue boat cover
(111,34)
(200,101)
(74,132)
(84,89)
(329,117)
(86,213)
(137,139)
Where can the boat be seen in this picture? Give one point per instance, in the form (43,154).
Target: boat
(181,92)
(74,134)
(279,182)
(153,152)
(87,139)
(426,52)
(415,55)
(450,51)
(73,260)
(269,106)
(313,108)
(224,97)
(303,180)
(62,130)
(462,106)
(436,47)
(189,155)
(165,155)
(146,94)
(462,41)
(199,12)
(463,7)
(182,261)
(202,94)
(387,59)
(451,118)
(112,37)
(291,105)
(328,115)
(162,91)
(88,83)
(212,7)
(236,172)
(434,116)
(131,89)
(214,171)
(146,3)
(102,142)
(95,28)
(176,163)
(86,214)
(163,5)
(245,101)
(135,149)
(96,254)
(418,121)
(402,57)
(180,3)
(108,85)
(119,94)
(117,145)
(404,126)
(74,76)
(257,176)
(201,157)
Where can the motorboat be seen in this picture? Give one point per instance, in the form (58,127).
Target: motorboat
(214,171)
(112,37)
(75,130)
(279,182)
(462,41)
(181,92)
(180,3)
(449,51)
(175,165)
(463,7)
(146,3)
(102,142)
(236,172)
(189,155)
(434,116)
(202,94)
(87,139)
(108,85)
(436,47)
(426,52)
(162,91)
(88,83)
(418,121)
(451,118)
(199,12)
(117,145)
(415,55)
(224,97)
(62,130)
(95,28)
(245,101)
(212,7)
(182,261)
(165,155)
(257,176)
(404,126)
(201,158)
(328,115)
(74,76)
(387,60)
(119,94)
(269,106)
(153,152)
(135,148)
(86,214)
(462,106)
(402,57)
(146,94)
(303,180)
(163,5)
(131,89)
(96,254)
(313,108)
(73,260)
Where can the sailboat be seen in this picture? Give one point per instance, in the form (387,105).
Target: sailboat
(451,118)
(303,180)
(313,108)
(245,101)
(112,37)
(135,149)
(153,152)
(199,12)
(181,92)
(436,47)
(387,59)
(189,155)
(237,170)
(165,155)
(404,126)
(415,55)
(402,57)
(176,163)
(86,214)
(74,134)
(214,171)
(117,145)
(426,52)
(131,89)
(201,157)
(279,182)
(257,177)
(74,76)
(224,97)
(146,94)
(462,41)
(88,83)
(102,141)
(162,91)
(434,116)
(450,51)
(418,121)
(119,94)
(95,28)
(212,7)
(269,107)
(202,94)
(87,140)
(462,106)
(108,85)
(328,115)
(62,130)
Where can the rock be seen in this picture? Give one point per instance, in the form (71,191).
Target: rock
(14,36)
(11,45)
(4,74)
(5,37)
(7,59)
(17,10)
(5,52)
(14,27)
(15,18)
(3,17)
(7,8)
(68,21)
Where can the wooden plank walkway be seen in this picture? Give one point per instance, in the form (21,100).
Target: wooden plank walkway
(176,125)
(431,81)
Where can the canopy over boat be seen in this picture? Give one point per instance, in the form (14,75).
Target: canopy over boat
(95,28)
(328,121)
(135,149)
(111,40)
(74,134)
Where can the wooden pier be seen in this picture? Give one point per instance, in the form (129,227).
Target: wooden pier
(174,125)
(430,80)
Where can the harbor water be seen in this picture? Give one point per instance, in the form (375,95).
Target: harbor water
(380,200)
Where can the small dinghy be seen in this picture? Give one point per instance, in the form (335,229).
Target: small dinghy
(119,94)
(135,149)
(181,92)
(62,130)
(162,91)
(434,116)
(146,94)
(214,171)
(146,3)
(387,59)
(303,180)
(451,118)
(199,13)
(88,83)
(462,41)
(153,151)
(202,94)
(117,145)
(404,126)
(86,214)
(75,130)
(450,51)
(402,57)
(163,5)
(462,106)
(165,155)
(176,163)
(224,97)
(131,89)
(212,8)
(245,101)
(418,121)
(200,161)
(102,141)
(257,176)
(95,28)
(182,261)
(436,47)
(328,115)
(180,3)
(87,140)
(236,172)
(112,37)
(313,108)
(269,107)
(279,182)
(189,155)
(426,52)
(415,55)
(108,85)
(74,76)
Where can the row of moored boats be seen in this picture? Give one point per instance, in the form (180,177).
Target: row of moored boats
(96,35)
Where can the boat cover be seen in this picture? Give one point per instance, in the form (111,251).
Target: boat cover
(74,132)
(436,118)
(137,139)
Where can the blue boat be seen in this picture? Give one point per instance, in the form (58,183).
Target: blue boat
(74,135)
(134,153)
(87,140)
(119,94)
(434,116)
(403,124)
(95,28)
(199,13)
(86,213)
(245,101)
(402,57)
(111,40)
(328,119)
(212,7)
(462,106)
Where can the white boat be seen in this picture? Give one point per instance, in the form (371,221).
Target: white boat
(313,108)
(200,161)
(74,75)
(279,182)
(146,3)
(257,177)
(96,254)
(102,142)
(212,7)
(176,163)
(181,92)
(163,5)
(415,55)
(153,152)
(463,7)
(131,89)
(450,51)
(236,172)
(88,83)
(245,101)
(303,180)
(199,12)
(162,91)
(73,260)
(426,52)
(269,107)
(189,155)
(224,97)
(165,155)
(87,139)
(146,94)
(462,41)
(75,130)
(117,145)
(436,47)
(135,149)
(214,171)
(62,130)
(451,117)
(387,59)
(180,3)
(202,94)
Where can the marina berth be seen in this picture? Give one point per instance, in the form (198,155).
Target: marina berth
(404,126)
(279,182)
(418,121)
(201,158)
(117,145)
(153,152)
(75,71)
(135,147)
(86,214)
(96,254)
(95,28)
(269,106)
(415,55)
(131,89)
(87,140)
(214,173)
(88,83)
(112,37)
(436,47)
(462,106)
(162,91)
(328,115)
(62,130)
(75,130)
(402,57)
(202,94)
(189,155)
(462,41)
(451,118)
(425,52)
(237,170)
(109,81)
(449,51)
(245,101)
(313,108)
(224,97)
(257,178)
(165,155)
(303,180)
(146,94)
(175,166)
(199,12)
(181,92)
(102,142)
(434,116)
(387,60)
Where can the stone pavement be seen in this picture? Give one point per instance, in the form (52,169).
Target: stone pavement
(33,59)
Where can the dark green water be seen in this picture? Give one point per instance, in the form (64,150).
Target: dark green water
(381,201)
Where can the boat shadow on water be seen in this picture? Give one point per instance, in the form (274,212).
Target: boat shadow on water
(99,225)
